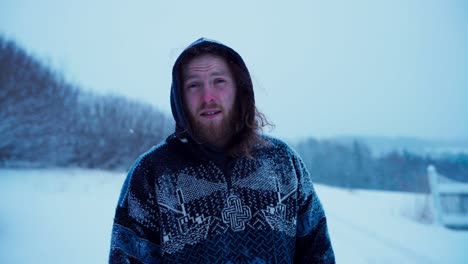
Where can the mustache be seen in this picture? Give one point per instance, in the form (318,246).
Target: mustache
(208,106)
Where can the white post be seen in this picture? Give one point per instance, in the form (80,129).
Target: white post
(432,176)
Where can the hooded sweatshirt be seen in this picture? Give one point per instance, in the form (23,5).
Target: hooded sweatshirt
(181,203)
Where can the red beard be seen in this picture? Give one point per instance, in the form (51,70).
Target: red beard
(217,133)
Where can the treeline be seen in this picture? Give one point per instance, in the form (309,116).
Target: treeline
(355,166)
(47,122)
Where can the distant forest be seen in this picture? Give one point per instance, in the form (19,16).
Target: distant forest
(355,166)
(46,121)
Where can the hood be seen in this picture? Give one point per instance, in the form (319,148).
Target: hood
(201,47)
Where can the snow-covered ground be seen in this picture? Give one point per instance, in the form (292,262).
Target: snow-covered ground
(65,216)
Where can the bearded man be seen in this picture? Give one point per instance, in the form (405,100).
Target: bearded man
(218,190)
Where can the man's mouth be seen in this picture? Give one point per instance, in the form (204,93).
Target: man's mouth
(211,113)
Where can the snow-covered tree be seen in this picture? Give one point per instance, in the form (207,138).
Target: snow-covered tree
(46,121)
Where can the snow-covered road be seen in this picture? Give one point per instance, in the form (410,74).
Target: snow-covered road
(379,227)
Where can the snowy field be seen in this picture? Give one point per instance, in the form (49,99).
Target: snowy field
(65,216)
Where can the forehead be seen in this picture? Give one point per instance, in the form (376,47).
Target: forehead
(205,64)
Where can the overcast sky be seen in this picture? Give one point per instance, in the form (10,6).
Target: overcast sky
(320,68)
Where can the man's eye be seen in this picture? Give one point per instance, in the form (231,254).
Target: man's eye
(192,85)
(220,81)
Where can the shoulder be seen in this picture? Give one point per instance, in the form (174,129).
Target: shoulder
(159,158)
(152,155)
(280,152)
(276,145)
(157,161)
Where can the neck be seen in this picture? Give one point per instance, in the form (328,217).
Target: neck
(218,144)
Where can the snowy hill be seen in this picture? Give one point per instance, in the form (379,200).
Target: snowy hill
(65,216)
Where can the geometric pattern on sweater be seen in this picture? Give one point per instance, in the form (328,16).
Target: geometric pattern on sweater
(193,189)
(193,197)
(190,203)
(237,247)
(265,178)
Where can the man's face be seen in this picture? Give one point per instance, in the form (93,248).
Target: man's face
(209,91)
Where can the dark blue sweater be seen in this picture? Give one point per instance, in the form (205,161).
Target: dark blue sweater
(182,203)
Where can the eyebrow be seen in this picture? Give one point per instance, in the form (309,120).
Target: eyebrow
(194,76)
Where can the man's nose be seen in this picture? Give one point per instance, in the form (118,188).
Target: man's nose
(208,94)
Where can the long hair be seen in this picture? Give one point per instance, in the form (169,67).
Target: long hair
(250,121)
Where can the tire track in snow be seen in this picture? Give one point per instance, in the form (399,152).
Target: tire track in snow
(350,226)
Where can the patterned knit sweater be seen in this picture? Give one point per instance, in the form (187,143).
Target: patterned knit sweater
(183,204)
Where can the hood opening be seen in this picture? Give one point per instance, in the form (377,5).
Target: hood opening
(200,47)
